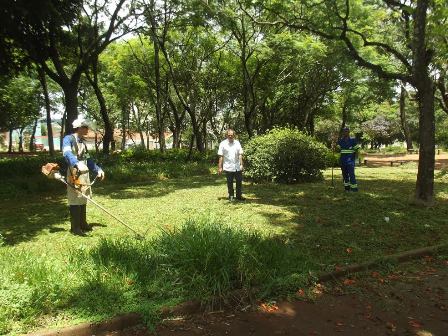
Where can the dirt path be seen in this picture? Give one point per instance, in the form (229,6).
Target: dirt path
(399,303)
(371,160)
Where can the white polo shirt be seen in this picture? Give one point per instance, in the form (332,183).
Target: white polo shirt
(231,155)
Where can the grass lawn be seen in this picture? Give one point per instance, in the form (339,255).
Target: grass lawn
(51,278)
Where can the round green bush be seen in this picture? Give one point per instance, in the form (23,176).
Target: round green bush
(286,156)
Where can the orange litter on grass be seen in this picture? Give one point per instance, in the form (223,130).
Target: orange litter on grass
(268,307)
(349,282)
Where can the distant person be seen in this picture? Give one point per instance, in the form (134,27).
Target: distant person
(349,147)
(231,162)
(79,163)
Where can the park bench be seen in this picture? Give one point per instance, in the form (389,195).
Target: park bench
(415,151)
(397,161)
(391,162)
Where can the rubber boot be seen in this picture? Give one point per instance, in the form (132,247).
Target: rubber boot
(75,220)
(84,225)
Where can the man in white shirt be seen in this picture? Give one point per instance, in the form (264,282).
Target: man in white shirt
(231,162)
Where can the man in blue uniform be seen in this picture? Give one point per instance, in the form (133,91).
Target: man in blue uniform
(79,163)
(348,147)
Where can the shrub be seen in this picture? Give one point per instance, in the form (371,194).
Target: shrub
(285,155)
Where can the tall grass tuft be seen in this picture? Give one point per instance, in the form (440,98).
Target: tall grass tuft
(203,259)
(207,259)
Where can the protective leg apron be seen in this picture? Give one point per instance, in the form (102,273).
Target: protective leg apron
(77,202)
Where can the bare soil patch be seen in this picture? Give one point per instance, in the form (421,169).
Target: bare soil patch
(411,300)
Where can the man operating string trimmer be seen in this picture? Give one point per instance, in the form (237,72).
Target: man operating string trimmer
(79,163)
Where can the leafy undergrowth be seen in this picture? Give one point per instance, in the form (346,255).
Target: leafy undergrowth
(203,260)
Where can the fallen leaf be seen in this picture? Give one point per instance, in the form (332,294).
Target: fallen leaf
(349,282)
(391,326)
(429,258)
(415,324)
(393,276)
(349,250)
(268,307)
(423,333)
(300,292)
(318,290)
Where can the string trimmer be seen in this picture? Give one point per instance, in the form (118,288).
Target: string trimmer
(51,170)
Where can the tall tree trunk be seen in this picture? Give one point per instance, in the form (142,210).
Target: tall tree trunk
(108,135)
(139,126)
(124,114)
(32,144)
(21,140)
(190,149)
(424,193)
(43,83)
(195,123)
(247,105)
(344,117)
(61,135)
(159,115)
(10,141)
(403,119)
(311,126)
(70,89)
(177,124)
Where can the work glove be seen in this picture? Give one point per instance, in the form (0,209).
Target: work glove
(101,175)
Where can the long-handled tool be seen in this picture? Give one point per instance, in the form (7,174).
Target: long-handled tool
(51,170)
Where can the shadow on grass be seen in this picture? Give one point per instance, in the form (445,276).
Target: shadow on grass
(24,219)
(96,300)
(153,189)
(204,259)
(328,221)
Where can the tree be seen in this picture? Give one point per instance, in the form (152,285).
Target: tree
(397,32)
(55,31)
(20,101)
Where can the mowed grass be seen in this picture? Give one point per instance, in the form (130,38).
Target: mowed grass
(199,245)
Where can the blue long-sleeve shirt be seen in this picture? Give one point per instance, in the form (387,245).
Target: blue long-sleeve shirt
(348,146)
(69,152)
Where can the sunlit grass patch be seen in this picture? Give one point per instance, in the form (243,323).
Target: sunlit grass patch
(198,244)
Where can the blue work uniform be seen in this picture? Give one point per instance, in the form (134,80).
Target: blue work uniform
(348,146)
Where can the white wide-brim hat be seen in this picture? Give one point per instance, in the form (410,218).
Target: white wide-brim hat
(80,122)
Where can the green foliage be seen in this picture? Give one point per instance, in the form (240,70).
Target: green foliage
(31,286)
(442,131)
(274,241)
(285,155)
(23,173)
(19,101)
(203,259)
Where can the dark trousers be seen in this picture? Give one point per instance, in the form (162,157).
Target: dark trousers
(238,176)
(78,219)
(348,174)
